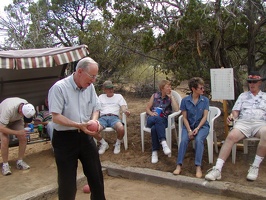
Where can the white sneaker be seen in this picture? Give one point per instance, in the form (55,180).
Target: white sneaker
(103,148)
(22,165)
(154,157)
(166,150)
(6,170)
(213,174)
(117,148)
(252,173)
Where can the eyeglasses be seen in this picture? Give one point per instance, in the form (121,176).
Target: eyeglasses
(92,76)
(201,88)
(253,81)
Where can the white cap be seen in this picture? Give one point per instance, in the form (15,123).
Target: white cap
(28,110)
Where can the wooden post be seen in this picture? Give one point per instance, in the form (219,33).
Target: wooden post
(225,117)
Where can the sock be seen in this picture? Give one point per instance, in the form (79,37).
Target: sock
(257,161)
(5,164)
(118,141)
(219,164)
(154,153)
(163,143)
(102,141)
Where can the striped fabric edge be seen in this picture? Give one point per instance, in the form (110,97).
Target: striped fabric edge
(70,56)
(44,61)
(7,63)
(39,62)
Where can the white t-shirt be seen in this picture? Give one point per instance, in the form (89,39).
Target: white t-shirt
(111,104)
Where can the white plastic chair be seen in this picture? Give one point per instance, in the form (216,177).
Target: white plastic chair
(245,147)
(214,112)
(168,131)
(110,129)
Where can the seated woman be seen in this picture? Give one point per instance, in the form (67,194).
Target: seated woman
(164,100)
(195,108)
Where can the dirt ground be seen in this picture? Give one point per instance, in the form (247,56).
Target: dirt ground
(43,169)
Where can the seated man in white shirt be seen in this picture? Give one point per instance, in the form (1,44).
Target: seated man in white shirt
(111,104)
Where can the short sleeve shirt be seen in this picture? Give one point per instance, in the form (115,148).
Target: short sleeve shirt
(195,111)
(111,104)
(9,110)
(76,104)
(251,107)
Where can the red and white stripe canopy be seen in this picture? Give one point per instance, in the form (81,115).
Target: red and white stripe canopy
(41,58)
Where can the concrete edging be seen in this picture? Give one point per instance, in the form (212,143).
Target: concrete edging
(158,177)
(166,178)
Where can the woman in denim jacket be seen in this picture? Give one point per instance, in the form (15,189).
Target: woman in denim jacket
(195,108)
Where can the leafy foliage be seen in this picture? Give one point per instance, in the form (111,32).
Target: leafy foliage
(181,38)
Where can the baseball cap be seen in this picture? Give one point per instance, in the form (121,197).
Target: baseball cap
(28,112)
(108,84)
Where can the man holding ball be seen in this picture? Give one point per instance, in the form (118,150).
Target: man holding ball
(73,103)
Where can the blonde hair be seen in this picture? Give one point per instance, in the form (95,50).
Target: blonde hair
(163,83)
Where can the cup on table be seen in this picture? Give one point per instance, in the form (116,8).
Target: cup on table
(158,110)
(28,129)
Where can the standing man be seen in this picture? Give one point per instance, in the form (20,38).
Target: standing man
(111,104)
(15,114)
(73,102)
(249,114)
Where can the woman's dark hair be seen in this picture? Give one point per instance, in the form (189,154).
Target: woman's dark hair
(195,82)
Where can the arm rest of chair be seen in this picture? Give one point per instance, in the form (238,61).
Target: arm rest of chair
(142,120)
(124,118)
(172,116)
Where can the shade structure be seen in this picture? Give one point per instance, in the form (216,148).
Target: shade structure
(30,73)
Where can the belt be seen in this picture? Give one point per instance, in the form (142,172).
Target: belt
(110,114)
(70,131)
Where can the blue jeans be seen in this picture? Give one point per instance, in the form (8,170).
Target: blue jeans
(199,144)
(157,125)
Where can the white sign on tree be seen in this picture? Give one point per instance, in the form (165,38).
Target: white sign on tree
(222,84)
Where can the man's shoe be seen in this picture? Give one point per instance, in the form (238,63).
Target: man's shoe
(117,148)
(154,157)
(177,170)
(213,174)
(6,170)
(252,173)
(166,150)
(22,165)
(103,148)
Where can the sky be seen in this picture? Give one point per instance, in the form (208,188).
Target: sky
(4,3)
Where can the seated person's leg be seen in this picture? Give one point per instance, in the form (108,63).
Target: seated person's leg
(260,154)
(103,144)
(116,124)
(234,136)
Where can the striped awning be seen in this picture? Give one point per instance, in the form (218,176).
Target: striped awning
(41,58)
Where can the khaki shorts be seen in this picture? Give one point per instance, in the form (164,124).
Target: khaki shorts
(249,128)
(17,125)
